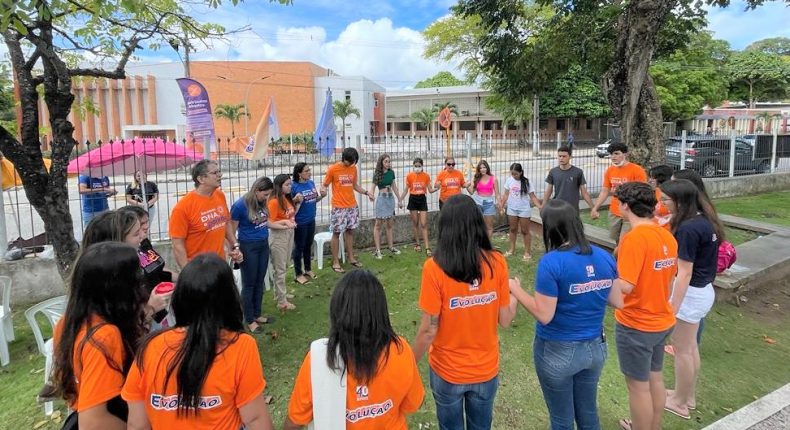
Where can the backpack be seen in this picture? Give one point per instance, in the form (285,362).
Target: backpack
(727,256)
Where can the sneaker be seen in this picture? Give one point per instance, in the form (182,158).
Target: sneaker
(377,255)
(395,251)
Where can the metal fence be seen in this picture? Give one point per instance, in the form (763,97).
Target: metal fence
(536,156)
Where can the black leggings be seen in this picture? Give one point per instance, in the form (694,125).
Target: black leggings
(303,244)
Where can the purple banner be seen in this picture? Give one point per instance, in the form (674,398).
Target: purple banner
(200,121)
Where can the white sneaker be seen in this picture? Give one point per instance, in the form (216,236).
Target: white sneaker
(377,255)
(395,251)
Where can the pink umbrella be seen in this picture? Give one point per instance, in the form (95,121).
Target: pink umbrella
(127,157)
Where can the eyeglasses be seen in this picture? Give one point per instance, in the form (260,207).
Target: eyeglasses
(216,172)
(451,164)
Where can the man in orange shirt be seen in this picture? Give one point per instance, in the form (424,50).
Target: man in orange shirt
(620,172)
(646,266)
(199,221)
(657,175)
(344,217)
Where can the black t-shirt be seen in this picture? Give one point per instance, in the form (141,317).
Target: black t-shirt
(137,193)
(566,184)
(698,244)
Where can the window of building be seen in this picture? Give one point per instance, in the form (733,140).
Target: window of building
(543,124)
(467,125)
(560,124)
(589,124)
(375,101)
(348,95)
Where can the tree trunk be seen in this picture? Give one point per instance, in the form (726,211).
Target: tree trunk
(751,95)
(46,191)
(627,84)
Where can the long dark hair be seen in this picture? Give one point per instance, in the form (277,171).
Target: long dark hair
(278,194)
(479,175)
(360,329)
(106,283)
(695,179)
(463,243)
(254,207)
(562,227)
(378,173)
(516,167)
(205,302)
(688,203)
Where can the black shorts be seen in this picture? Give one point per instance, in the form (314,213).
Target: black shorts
(417,202)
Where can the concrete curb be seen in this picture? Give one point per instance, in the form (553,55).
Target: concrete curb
(755,412)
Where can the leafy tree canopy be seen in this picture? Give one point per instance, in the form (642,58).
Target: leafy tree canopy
(456,39)
(755,75)
(441,79)
(692,77)
(772,45)
(574,94)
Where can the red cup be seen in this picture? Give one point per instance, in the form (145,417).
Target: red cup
(164,287)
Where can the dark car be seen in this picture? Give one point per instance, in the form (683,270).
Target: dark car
(710,156)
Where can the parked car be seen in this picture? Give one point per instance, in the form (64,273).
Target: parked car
(710,156)
(601,150)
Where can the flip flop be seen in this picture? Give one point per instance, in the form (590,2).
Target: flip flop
(301,280)
(264,320)
(677,413)
(311,275)
(625,424)
(670,393)
(338,269)
(417,248)
(356,263)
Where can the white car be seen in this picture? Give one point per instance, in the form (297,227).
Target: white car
(602,150)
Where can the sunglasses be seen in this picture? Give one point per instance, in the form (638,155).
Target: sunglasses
(451,164)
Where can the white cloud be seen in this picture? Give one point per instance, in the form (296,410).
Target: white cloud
(740,27)
(376,50)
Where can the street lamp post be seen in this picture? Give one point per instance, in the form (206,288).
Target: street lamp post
(246,101)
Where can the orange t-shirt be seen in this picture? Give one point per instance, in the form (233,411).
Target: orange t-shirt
(417,183)
(201,221)
(450,183)
(661,214)
(234,379)
(395,391)
(97,380)
(466,347)
(616,176)
(342,178)
(276,213)
(647,258)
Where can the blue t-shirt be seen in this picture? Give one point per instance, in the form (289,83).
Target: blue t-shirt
(306,212)
(249,231)
(581,284)
(698,244)
(94,202)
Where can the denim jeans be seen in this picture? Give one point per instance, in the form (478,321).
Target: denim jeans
(303,244)
(253,272)
(452,400)
(568,373)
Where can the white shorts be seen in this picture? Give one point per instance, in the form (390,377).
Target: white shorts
(696,304)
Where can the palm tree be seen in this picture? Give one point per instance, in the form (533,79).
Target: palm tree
(232,113)
(438,107)
(344,109)
(764,121)
(425,117)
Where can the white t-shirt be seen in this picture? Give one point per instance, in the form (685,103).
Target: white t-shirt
(515,200)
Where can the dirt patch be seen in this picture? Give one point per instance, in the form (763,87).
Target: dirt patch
(768,304)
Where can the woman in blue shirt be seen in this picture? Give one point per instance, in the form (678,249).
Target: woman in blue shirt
(573,283)
(303,190)
(249,217)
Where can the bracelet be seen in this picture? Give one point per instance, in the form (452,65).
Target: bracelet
(236,245)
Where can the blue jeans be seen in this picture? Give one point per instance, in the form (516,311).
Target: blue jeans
(568,373)
(477,400)
(303,244)
(253,272)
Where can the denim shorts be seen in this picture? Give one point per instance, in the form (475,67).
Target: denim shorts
(520,213)
(487,206)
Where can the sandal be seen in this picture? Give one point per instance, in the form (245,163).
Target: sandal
(508,253)
(287,306)
(311,275)
(264,320)
(526,257)
(417,248)
(693,407)
(677,412)
(338,269)
(625,424)
(356,263)
(255,330)
(428,252)
(301,280)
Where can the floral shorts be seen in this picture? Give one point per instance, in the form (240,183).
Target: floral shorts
(342,219)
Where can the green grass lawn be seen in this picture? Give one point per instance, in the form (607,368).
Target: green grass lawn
(769,207)
(738,364)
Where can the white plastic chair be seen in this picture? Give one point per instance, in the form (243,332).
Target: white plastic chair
(319,240)
(53,310)
(6,324)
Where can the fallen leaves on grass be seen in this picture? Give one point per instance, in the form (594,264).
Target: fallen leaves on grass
(274,335)
(769,340)
(40,424)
